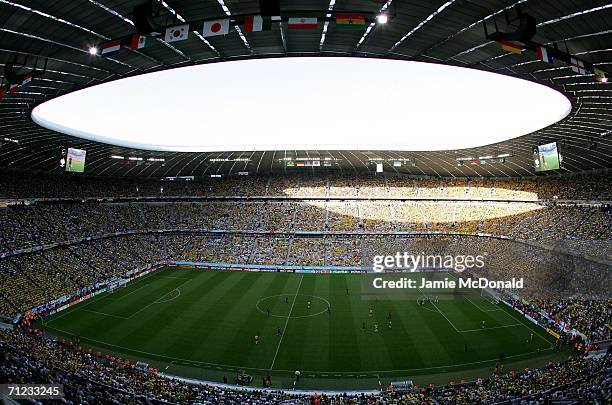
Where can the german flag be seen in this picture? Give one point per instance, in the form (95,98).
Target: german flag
(350,21)
(512,47)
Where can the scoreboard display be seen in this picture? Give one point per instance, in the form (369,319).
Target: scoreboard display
(73,160)
(546,157)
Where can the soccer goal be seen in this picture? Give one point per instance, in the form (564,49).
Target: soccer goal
(494,297)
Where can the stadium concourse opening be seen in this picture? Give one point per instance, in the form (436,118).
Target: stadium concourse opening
(296,103)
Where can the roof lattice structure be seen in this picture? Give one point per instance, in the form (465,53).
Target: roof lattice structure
(437,31)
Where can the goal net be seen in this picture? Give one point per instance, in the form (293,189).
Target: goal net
(492,296)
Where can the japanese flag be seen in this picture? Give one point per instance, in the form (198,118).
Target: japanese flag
(216,27)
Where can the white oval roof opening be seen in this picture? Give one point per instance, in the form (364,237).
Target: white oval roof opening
(306,104)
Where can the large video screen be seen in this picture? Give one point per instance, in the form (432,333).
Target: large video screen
(75,160)
(546,157)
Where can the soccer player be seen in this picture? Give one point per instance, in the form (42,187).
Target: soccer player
(483,325)
(376,327)
(347,291)
(278,332)
(531,337)
(328,309)
(389,323)
(268,311)
(363,327)
(286,300)
(371,312)
(389,316)
(256,339)
(308,304)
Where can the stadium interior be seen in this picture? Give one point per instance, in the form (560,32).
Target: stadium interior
(136,272)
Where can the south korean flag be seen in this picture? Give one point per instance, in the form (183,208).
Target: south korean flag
(177,33)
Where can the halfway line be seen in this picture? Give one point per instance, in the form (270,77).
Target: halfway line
(286,322)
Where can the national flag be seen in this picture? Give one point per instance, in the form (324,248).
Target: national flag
(544,54)
(600,75)
(513,47)
(302,22)
(110,48)
(350,21)
(300,164)
(216,27)
(13,88)
(578,66)
(253,23)
(1,92)
(139,41)
(177,33)
(27,79)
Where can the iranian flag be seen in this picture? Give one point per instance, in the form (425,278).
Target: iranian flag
(302,22)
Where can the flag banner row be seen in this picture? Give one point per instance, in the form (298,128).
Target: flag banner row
(549,55)
(253,23)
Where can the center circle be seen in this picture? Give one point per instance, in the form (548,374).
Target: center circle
(293,306)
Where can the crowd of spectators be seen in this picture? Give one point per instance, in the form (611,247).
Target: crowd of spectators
(575,187)
(591,316)
(90,250)
(571,288)
(26,226)
(35,278)
(577,380)
(89,378)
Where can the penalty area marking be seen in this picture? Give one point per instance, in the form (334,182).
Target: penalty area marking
(291,295)
(161,300)
(470,330)
(157,300)
(491,327)
(103,313)
(483,310)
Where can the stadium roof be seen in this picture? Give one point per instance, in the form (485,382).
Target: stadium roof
(447,32)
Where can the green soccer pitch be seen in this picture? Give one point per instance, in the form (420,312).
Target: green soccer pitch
(202,324)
